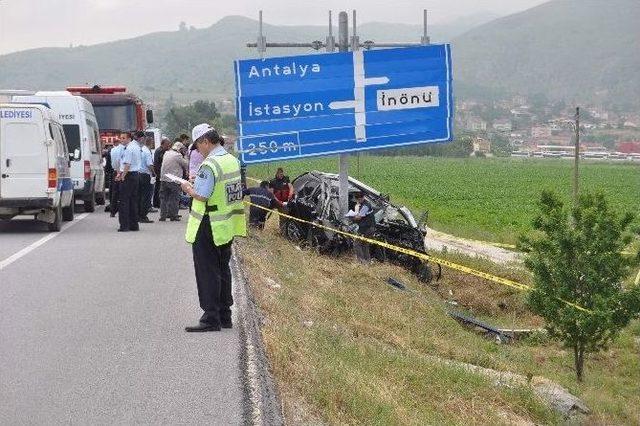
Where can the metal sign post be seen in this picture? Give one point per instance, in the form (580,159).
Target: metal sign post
(343,180)
(327,104)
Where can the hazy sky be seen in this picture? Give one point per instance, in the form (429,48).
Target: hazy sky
(27,24)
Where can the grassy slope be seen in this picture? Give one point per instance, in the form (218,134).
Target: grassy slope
(347,348)
(487,199)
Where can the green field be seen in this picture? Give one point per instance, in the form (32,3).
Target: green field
(486,199)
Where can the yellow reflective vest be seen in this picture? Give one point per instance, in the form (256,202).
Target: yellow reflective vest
(224,207)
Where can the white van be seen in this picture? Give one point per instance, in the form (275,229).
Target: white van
(34,165)
(78,119)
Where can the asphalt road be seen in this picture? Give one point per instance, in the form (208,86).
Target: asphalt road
(92,329)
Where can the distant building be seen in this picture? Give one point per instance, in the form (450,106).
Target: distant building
(481,145)
(502,125)
(632,147)
(599,113)
(519,100)
(476,124)
(540,132)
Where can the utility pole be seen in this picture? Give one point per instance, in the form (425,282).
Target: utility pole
(343,46)
(576,158)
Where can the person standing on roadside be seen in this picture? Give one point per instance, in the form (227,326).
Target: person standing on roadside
(261,196)
(115,155)
(146,170)
(158,155)
(217,216)
(174,163)
(129,186)
(195,160)
(281,185)
(366,225)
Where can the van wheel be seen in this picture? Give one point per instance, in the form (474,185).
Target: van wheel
(100,198)
(90,203)
(57,221)
(67,212)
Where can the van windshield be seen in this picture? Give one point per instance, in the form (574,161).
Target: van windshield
(72,135)
(116,117)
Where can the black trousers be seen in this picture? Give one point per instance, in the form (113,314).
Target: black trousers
(169,199)
(129,200)
(156,192)
(146,189)
(213,275)
(114,196)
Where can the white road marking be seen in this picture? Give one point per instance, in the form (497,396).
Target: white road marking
(25,251)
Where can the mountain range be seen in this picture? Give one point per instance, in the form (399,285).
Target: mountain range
(575,50)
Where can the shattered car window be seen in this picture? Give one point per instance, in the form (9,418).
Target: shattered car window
(391,214)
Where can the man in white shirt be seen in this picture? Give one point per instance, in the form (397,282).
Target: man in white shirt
(146,171)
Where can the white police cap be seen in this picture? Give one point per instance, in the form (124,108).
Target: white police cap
(200,130)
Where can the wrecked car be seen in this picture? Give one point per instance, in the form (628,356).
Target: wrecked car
(316,200)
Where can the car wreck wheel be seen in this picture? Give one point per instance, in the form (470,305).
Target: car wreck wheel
(425,273)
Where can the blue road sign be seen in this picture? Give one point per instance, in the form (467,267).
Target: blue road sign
(323,104)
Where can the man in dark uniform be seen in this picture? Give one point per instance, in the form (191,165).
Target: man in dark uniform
(261,196)
(128,176)
(158,155)
(366,225)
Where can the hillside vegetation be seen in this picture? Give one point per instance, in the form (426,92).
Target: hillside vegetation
(190,64)
(578,50)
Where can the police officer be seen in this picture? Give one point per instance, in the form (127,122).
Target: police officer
(216,217)
(129,181)
(261,196)
(115,155)
(146,171)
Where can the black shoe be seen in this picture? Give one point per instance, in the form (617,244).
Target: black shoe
(175,219)
(122,230)
(153,210)
(202,327)
(134,229)
(226,324)
(163,219)
(145,220)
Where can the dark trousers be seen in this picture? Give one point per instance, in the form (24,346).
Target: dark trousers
(213,275)
(144,195)
(114,196)
(156,192)
(169,199)
(362,247)
(129,201)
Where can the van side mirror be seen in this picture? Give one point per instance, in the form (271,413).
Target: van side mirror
(149,116)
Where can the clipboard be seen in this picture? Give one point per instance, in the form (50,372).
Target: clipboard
(175,178)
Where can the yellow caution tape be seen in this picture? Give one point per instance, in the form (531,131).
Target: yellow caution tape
(423,256)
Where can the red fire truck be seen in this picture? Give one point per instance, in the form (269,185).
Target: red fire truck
(116,110)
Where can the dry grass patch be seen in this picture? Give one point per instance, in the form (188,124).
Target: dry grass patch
(347,348)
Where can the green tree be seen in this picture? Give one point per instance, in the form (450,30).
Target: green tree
(500,146)
(180,119)
(575,255)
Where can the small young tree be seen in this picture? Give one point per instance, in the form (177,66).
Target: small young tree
(575,256)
